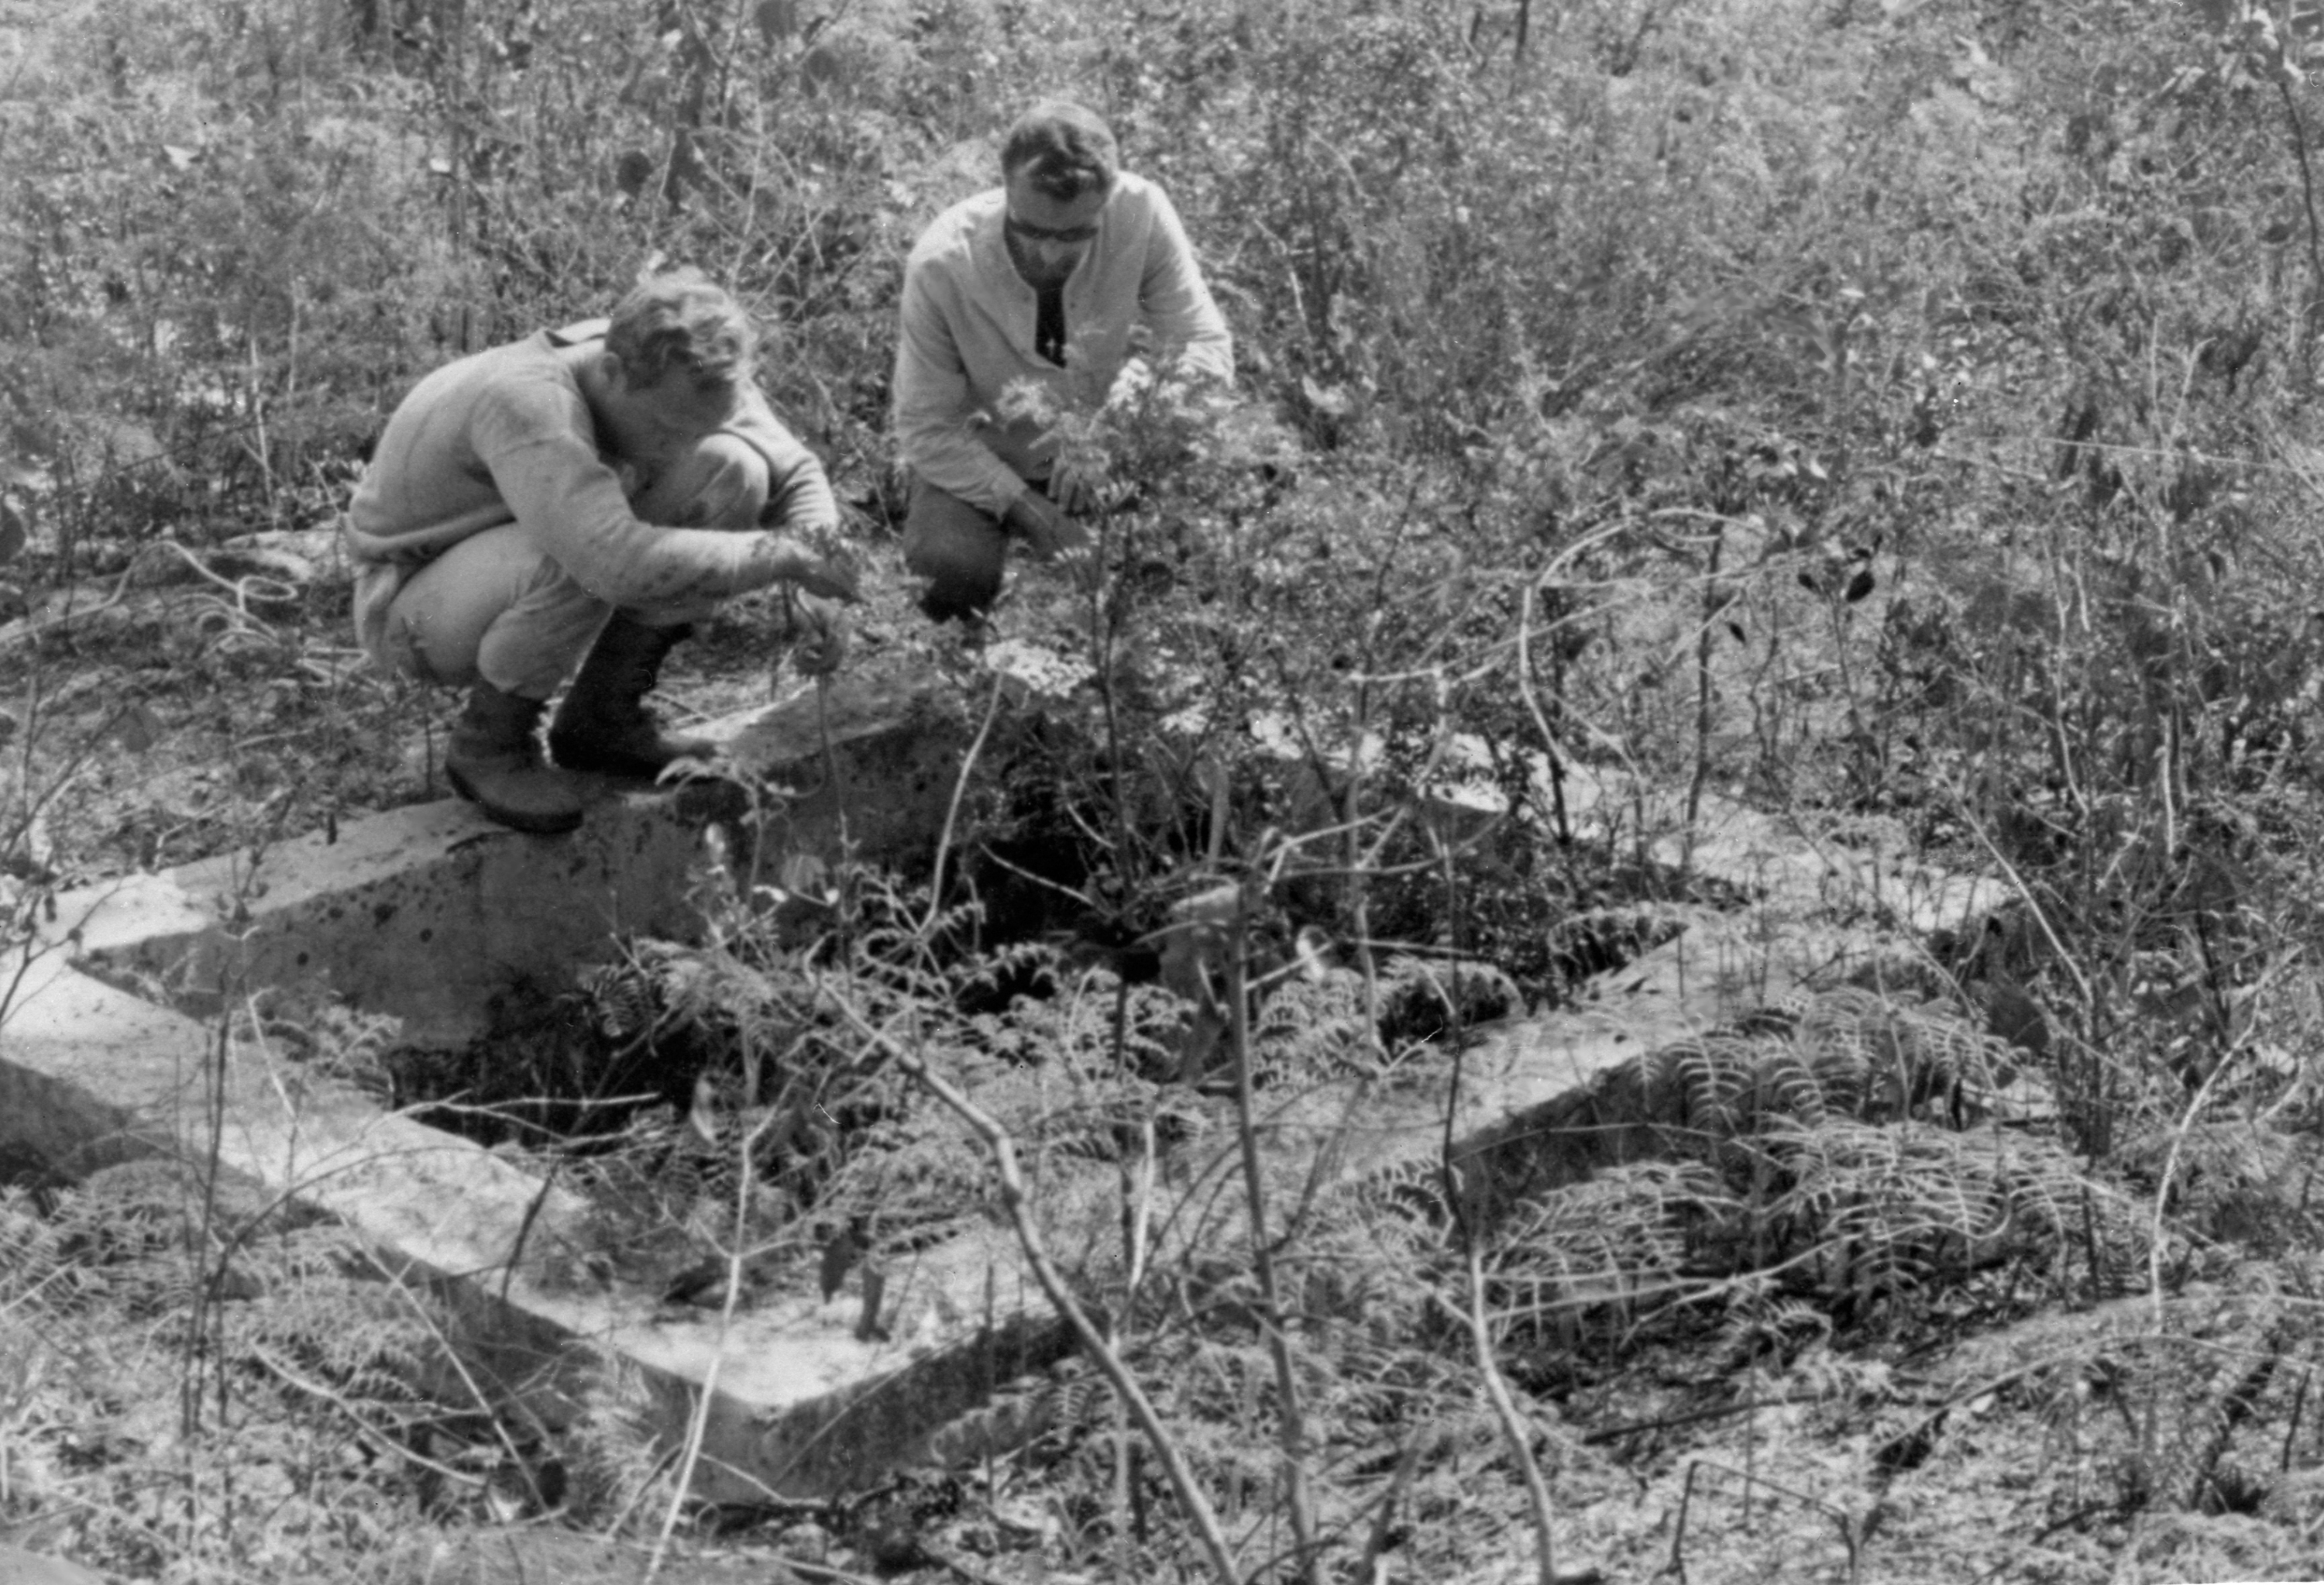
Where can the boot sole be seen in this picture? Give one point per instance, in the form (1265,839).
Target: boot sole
(580,758)
(611,768)
(530,825)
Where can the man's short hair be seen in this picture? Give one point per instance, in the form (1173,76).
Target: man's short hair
(679,319)
(1067,149)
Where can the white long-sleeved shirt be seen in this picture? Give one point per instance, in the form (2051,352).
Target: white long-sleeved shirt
(965,335)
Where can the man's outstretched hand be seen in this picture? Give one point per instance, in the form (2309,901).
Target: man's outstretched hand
(827,577)
(1078,492)
(1047,532)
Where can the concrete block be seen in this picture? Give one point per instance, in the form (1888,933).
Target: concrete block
(430,914)
(437,916)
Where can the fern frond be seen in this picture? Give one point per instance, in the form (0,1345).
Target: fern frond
(1785,1086)
(1883,1056)
(31,1254)
(1763,1324)
(1706,1085)
(1604,1246)
(1881,1209)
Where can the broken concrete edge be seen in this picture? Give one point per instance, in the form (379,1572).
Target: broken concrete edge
(853,1440)
(1512,1126)
(802,1405)
(1820,912)
(1542,1133)
(1619,1117)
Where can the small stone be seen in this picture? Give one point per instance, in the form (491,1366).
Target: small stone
(810,1543)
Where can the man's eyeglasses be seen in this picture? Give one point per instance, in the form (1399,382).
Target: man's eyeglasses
(1070,233)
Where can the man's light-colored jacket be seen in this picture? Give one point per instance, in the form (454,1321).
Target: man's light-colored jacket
(966,335)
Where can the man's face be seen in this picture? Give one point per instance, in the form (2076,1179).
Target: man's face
(1047,237)
(652,423)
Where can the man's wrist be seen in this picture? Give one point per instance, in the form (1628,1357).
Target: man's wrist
(1027,514)
(780,558)
(787,559)
(771,558)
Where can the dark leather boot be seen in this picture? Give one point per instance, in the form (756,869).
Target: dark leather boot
(604,726)
(494,762)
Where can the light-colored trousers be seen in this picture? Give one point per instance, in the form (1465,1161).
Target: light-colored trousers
(500,607)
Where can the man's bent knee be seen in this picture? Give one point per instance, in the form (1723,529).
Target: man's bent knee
(494,606)
(958,591)
(720,483)
(960,550)
(963,575)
